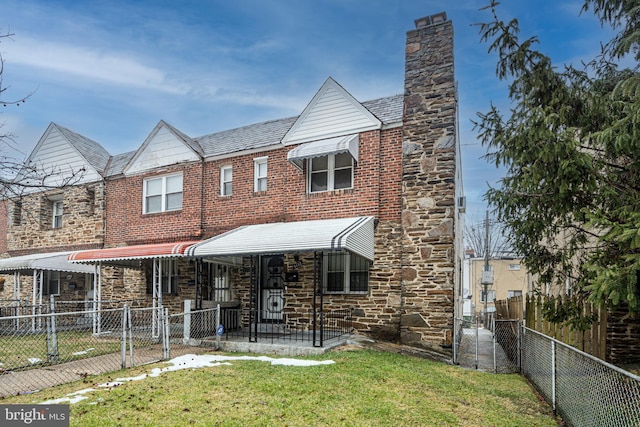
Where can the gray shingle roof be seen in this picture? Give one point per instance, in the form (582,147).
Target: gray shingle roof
(118,163)
(388,110)
(245,138)
(95,154)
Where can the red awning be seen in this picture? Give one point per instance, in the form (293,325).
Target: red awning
(129,253)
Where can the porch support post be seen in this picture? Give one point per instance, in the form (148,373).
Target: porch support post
(199,297)
(253,302)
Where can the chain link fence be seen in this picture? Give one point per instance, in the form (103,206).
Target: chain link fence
(43,350)
(584,390)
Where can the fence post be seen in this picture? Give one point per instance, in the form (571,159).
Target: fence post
(53,350)
(553,375)
(187,321)
(165,347)
(519,344)
(477,337)
(129,326)
(123,346)
(218,335)
(495,362)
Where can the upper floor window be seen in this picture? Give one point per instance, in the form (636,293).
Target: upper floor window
(346,273)
(260,174)
(56,207)
(331,172)
(163,194)
(16,214)
(226,180)
(514,266)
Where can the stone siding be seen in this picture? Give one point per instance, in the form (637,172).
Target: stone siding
(30,227)
(428,186)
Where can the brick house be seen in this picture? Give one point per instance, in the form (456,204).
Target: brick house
(350,206)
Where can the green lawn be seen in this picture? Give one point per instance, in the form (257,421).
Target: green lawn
(363,388)
(21,351)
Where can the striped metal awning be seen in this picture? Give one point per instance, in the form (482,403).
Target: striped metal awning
(337,145)
(53,261)
(125,254)
(349,234)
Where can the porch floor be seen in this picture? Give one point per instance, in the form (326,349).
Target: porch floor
(275,345)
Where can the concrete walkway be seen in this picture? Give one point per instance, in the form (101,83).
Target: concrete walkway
(467,350)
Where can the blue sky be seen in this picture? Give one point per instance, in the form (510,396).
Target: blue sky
(111,69)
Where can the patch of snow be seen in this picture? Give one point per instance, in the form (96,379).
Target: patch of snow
(187,361)
(78,353)
(34,360)
(74,397)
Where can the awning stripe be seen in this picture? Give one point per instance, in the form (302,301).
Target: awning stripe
(341,144)
(158,250)
(351,234)
(53,261)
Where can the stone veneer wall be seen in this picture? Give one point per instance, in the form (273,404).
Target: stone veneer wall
(30,227)
(375,313)
(428,185)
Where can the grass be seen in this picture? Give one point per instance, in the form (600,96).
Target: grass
(363,388)
(15,351)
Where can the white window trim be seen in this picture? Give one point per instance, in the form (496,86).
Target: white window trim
(223,182)
(256,173)
(331,162)
(56,213)
(347,277)
(163,193)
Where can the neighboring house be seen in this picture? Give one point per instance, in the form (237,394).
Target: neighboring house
(349,207)
(509,279)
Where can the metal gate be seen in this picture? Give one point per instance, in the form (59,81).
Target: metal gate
(492,349)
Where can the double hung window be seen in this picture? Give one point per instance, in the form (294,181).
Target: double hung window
(226,181)
(345,273)
(331,172)
(56,207)
(260,174)
(163,194)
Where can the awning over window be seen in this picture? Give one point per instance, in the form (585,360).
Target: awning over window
(126,254)
(351,234)
(340,144)
(54,261)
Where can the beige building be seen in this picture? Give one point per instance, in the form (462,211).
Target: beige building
(509,278)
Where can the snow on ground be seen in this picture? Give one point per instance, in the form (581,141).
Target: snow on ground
(78,353)
(187,361)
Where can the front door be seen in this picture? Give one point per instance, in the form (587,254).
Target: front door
(272,288)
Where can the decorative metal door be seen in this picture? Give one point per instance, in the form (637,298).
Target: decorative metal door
(272,288)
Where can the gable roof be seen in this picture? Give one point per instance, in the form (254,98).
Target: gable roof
(93,152)
(331,112)
(372,114)
(172,148)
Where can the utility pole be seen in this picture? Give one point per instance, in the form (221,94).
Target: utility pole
(487,274)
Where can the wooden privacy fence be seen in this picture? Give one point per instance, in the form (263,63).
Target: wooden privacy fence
(591,340)
(510,309)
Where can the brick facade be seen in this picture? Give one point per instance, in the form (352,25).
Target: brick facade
(404,178)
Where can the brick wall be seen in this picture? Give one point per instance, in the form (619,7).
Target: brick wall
(127,225)
(205,213)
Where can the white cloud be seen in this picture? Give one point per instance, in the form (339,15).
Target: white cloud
(84,61)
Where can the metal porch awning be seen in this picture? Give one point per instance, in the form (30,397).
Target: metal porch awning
(351,234)
(340,144)
(53,261)
(130,254)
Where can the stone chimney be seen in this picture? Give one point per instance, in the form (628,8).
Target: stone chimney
(428,185)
